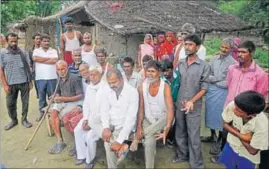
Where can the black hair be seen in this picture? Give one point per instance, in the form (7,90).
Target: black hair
(153,64)
(68,20)
(129,60)
(249,45)
(44,36)
(250,102)
(166,64)
(36,34)
(194,38)
(147,58)
(12,35)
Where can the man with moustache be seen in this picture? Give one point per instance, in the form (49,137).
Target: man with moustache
(119,118)
(156,112)
(243,76)
(76,58)
(129,75)
(69,41)
(217,93)
(101,55)
(16,77)
(45,59)
(91,114)
(69,95)
(194,73)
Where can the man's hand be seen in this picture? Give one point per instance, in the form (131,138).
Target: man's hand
(188,106)
(85,125)
(7,89)
(139,133)
(58,99)
(115,146)
(107,134)
(246,137)
(163,135)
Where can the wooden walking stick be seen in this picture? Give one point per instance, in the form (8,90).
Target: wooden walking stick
(44,116)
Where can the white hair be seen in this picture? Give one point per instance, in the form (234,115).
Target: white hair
(96,67)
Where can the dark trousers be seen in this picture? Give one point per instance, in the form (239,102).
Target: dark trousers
(45,88)
(188,139)
(11,100)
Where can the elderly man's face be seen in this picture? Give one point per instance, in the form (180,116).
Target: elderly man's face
(62,70)
(225,49)
(190,48)
(128,68)
(95,77)
(152,74)
(114,82)
(84,71)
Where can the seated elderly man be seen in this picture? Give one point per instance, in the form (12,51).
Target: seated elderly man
(69,95)
(91,112)
(119,118)
(156,113)
(129,75)
(72,118)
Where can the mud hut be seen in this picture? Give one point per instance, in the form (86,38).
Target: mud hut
(120,26)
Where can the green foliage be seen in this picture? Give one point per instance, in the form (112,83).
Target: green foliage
(213,46)
(12,11)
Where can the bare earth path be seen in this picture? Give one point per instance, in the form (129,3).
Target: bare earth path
(13,142)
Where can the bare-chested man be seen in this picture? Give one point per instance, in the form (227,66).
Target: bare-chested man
(87,50)
(69,41)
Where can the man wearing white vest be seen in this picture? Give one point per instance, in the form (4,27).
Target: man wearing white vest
(156,112)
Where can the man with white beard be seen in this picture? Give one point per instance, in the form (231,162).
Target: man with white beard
(156,112)
(91,112)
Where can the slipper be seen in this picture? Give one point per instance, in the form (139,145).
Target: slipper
(122,154)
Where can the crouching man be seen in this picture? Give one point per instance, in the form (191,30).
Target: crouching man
(69,95)
(156,112)
(121,101)
(91,113)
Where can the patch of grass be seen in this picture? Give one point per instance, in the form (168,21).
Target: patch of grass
(213,46)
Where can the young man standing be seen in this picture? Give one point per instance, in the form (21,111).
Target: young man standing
(16,77)
(247,128)
(69,41)
(45,59)
(101,55)
(194,73)
(129,75)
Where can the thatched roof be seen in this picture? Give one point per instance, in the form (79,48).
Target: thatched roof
(142,16)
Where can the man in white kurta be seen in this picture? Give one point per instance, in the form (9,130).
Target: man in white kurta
(86,138)
(122,103)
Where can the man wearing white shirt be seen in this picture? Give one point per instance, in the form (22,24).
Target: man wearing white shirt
(91,112)
(45,59)
(129,75)
(118,121)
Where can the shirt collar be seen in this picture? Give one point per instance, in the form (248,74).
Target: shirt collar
(251,68)
(197,60)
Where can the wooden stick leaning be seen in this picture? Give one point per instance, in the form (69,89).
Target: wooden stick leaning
(44,116)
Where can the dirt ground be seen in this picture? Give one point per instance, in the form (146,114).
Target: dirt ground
(13,142)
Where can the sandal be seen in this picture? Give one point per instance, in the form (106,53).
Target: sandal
(58,148)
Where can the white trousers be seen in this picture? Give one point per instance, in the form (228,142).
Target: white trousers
(86,143)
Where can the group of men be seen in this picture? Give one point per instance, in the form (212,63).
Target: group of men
(94,101)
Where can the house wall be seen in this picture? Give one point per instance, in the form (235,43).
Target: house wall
(117,44)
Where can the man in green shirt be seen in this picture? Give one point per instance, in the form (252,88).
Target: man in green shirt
(171,77)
